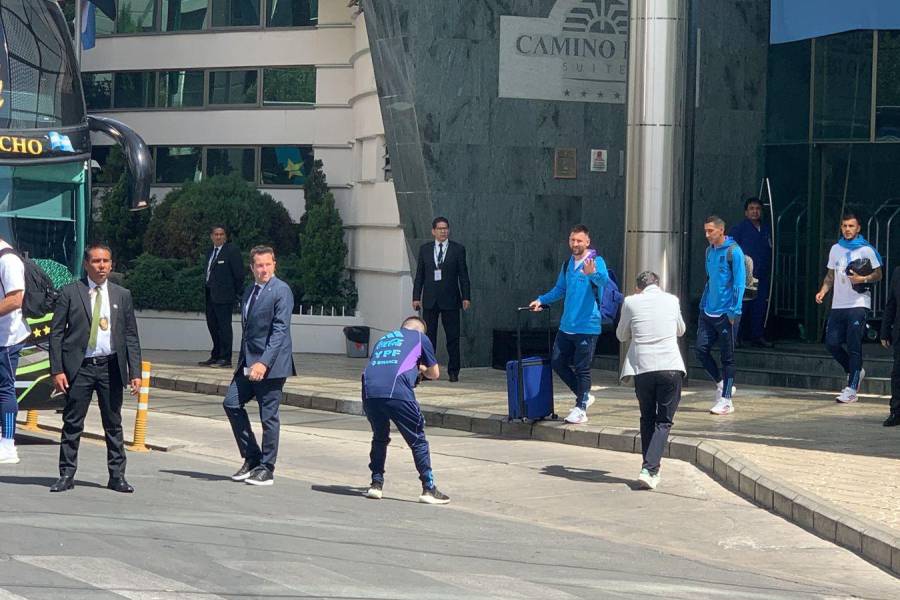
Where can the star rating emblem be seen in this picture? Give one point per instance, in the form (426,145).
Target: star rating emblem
(617,95)
(583,94)
(567,93)
(599,94)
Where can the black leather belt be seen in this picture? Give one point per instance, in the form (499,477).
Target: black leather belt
(97,361)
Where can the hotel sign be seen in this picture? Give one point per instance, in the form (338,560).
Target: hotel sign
(578,53)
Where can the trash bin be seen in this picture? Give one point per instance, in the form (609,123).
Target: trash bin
(357,341)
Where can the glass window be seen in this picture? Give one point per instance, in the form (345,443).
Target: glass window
(222,161)
(787,110)
(178,89)
(39,74)
(887,94)
(285,165)
(232,87)
(177,164)
(135,90)
(843,86)
(134,16)
(292,13)
(97,90)
(235,13)
(183,15)
(296,85)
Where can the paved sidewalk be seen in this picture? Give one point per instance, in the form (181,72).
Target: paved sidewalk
(831,468)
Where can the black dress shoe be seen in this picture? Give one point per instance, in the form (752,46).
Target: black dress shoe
(207,362)
(892,421)
(454,377)
(222,364)
(120,485)
(65,482)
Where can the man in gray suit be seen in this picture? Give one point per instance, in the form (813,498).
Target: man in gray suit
(264,364)
(94,346)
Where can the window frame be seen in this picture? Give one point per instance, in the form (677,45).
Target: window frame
(220,106)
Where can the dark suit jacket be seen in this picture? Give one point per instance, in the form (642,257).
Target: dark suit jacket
(226,276)
(71,328)
(452,289)
(890,322)
(266,336)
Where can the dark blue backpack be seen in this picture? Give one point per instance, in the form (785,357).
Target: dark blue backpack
(610,301)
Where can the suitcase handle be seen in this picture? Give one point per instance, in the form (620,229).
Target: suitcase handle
(520,370)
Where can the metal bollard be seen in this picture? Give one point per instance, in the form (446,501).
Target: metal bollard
(31,421)
(140,419)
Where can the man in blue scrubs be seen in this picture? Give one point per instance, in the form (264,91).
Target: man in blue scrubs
(387,395)
(755,239)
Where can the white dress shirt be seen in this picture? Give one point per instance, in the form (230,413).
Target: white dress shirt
(437,250)
(104,338)
(652,322)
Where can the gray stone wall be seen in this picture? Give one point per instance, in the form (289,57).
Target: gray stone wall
(484,162)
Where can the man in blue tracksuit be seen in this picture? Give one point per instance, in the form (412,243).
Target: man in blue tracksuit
(755,239)
(720,310)
(387,394)
(581,283)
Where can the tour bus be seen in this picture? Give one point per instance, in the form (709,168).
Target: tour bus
(45,164)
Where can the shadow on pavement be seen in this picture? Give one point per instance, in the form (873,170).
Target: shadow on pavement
(44,481)
(339,490)
(197,475)
(593,475)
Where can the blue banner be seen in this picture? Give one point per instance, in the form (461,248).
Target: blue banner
(794,20)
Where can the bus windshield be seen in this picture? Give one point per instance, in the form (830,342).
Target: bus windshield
(40,207)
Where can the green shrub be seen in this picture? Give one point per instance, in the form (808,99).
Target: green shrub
(166,284)
(179,227)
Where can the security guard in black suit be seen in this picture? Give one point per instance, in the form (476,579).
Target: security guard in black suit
(442,276)
(94,347)
(224,282)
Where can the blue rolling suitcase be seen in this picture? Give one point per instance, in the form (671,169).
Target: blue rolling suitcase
(529,381)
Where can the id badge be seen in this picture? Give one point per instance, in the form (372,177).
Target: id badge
(437,274)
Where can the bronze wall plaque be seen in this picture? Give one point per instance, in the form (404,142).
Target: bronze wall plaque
(565,163)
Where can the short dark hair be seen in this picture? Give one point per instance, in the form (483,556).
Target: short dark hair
(647,278)
(95,246)
(261,250)
(417,319)
(850,215)
(217,226)
(437,220)
(580,229)
(753,200)
(715,220)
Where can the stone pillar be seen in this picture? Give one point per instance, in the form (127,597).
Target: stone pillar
(657,71)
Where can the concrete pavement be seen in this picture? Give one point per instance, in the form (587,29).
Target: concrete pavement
(527,520)
(830,468)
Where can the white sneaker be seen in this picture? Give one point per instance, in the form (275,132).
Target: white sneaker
(591,399)
(719,391)
(8,454)
(862,375)
(648,481)
(722,407)
(577,416)
(848,395)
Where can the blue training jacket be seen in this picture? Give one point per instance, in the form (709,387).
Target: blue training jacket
(581,313)
(726,280)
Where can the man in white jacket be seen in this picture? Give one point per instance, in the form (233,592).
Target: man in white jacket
(651,320)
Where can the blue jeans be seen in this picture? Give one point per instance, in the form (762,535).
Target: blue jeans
(712,330)
(9,405)
(571,360)
(410,423)
(847,326)
(268,396)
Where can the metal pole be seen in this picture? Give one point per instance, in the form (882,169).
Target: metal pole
(657,74)
(77,36)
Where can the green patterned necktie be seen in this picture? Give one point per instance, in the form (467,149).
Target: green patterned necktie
(95,317)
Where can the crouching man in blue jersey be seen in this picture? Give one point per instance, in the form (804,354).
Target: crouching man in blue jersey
(387,395)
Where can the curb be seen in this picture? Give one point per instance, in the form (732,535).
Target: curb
(93,435)
(865,538)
